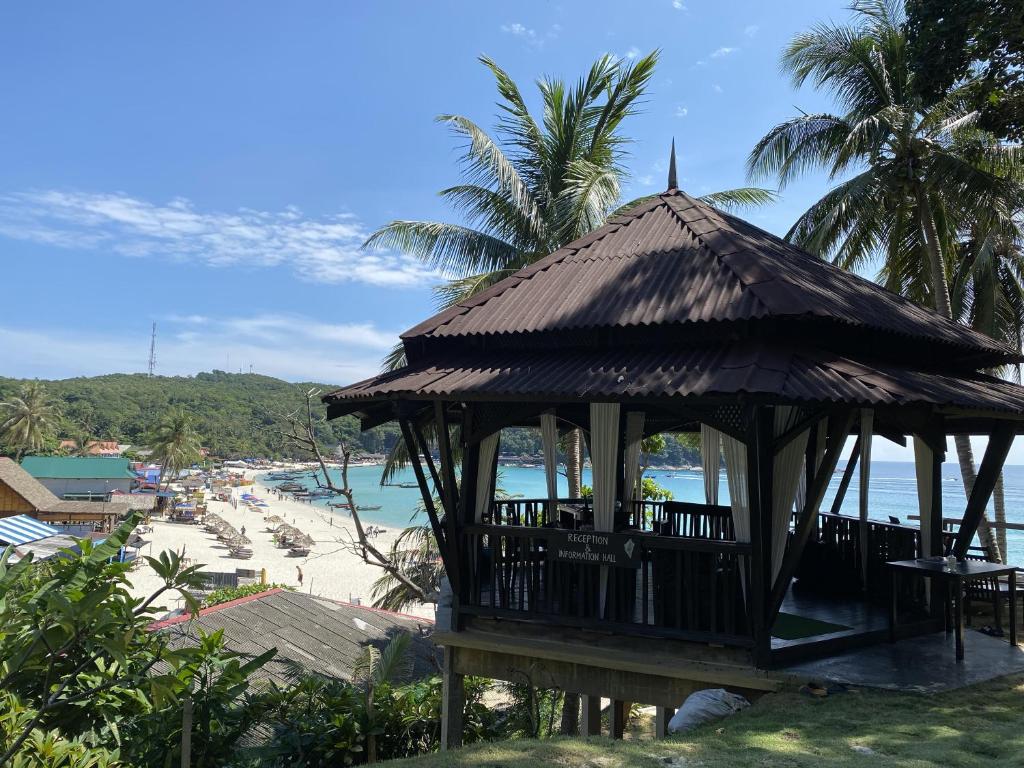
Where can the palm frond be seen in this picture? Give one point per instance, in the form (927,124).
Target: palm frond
(449,247)
(740,198)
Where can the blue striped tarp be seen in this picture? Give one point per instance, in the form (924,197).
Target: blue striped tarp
(21,529)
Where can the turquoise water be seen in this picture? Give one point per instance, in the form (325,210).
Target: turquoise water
(892,491)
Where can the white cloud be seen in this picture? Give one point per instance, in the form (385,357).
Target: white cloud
(290,347)
(716,87)
(519,30)
(679,5)
(326,249)
(646,181)
(751,30)
(698,64)
(682,111)
(723,51)
(633,52)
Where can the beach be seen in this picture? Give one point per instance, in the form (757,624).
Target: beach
(330,570)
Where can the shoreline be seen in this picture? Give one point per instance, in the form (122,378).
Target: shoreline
(330,570)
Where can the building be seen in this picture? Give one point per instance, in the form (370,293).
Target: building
(84,478)
(28,536)
(316,635)
(677,317)
(22,494)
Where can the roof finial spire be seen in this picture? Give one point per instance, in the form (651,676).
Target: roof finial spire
(672,183)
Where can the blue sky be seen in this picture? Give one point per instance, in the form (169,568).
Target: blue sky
(214,167)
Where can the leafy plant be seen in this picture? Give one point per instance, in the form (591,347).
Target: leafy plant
(227,594)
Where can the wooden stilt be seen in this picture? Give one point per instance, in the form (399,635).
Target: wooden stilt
(661,719)
(590,722)
(617,718)
(453,702)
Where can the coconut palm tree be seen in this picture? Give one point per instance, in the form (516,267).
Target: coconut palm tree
(533,186)
(175,444)
(915,175)
(374,668)
(28,419)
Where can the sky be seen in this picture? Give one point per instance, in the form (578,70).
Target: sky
(214,168)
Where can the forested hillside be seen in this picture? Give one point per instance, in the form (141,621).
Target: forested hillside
(237,414)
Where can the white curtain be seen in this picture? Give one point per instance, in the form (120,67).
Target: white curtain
(485,474)
(735,453)
(604,449)
(819,454)
(867,424)
(710,458)
(923,458)
(787,469)
(549,440)
(631,455)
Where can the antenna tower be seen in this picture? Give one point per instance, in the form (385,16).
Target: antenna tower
(152,352)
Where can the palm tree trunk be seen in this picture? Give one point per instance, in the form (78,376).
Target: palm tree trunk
(574,463)
(999,501)
(940,295)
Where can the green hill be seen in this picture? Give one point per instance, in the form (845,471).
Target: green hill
(237,414)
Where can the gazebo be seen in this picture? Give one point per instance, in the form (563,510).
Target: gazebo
(678,317)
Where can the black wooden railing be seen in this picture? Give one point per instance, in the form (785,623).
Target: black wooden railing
(885,542)
(686,588)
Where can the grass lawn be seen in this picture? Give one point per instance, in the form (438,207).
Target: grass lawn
(978,726)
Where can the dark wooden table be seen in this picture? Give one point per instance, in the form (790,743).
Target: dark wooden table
(954,576)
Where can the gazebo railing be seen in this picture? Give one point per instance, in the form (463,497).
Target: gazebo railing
(667,518)
(676,587)
(885,541)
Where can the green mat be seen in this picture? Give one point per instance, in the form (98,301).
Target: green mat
(788,626)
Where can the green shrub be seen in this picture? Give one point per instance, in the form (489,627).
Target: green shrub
(227,594)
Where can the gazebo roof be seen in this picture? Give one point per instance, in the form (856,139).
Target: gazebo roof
(675,261)
(675,299)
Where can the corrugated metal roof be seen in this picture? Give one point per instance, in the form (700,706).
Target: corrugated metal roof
(76,467)
(806,376)
(314,634)
(22,529)
(676,260)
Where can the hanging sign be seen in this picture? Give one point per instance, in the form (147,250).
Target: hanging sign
(596,548)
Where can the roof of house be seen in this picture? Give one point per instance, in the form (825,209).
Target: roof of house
(313,634)
(41,499)
(78,467)
(676,260)
(22,529)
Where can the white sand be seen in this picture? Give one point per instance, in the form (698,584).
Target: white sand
(329,571)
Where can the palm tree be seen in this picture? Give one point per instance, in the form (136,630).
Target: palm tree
(921,173)
(375,668)
(28,419)
(532,187)
(175,444)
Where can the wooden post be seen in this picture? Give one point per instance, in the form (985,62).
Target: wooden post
(590,723)
(617,718)
(999,443)
(662,716)
(759,498)
(453,702)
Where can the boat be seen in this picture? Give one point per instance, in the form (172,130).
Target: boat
(368,507)
(291,487)
(343,504)
(407,485)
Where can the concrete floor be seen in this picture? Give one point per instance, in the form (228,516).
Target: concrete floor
(925,664)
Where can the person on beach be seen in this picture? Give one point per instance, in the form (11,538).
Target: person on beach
(243,530)
(297,568)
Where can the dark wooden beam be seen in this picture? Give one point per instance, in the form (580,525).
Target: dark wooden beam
(999,442)
(844,483)
(444,449)
(428,500)
(424,450)
(839,428)
(760,460)
(807,422)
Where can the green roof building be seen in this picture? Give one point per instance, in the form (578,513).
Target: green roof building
(81,477)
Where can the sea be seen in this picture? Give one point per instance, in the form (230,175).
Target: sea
(892,492)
